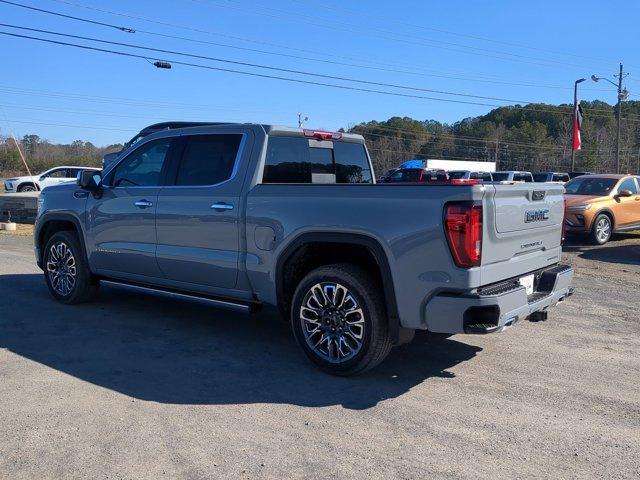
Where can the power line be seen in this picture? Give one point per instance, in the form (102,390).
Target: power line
(41,10)
(387,20)
(264,52)
(415,70)
(350,27)
(279,69)
(127,101)
(267,67)
(90,127)
(240,72)
(463,139)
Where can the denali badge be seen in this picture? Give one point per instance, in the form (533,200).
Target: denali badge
(536,215)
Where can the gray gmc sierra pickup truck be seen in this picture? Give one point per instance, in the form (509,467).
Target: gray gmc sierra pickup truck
(244,215)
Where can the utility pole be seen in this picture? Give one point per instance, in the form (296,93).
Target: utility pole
(575,108)
(619,114)
(622,95)
(301,119)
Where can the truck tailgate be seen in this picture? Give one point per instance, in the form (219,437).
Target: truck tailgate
(523,229)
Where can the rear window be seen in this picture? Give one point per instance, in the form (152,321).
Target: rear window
(352,163)
(522,177)
(540,177)
(560,177)
(500,177)
(293,160)
(458,175)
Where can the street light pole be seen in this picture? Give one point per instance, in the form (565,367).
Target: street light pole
(575,107)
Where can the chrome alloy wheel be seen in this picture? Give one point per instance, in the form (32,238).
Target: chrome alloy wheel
(61,268)
(332,322)
(603,229)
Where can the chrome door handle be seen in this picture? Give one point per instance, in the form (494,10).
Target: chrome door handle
(143,204)
(221,206)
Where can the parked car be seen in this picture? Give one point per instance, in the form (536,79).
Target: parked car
(245,215)
(573,175)
(551,177)
(512,176)
(53,176)
(600,205)
(469,175)
(403,175)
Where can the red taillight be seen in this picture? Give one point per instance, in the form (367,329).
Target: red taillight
(463,228)
(320,135)
(465,181)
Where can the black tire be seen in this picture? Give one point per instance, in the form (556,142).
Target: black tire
(84,286)
(29,187)
(366,297)
(602,229)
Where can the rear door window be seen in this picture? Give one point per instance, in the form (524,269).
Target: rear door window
(208,159)
(60,173)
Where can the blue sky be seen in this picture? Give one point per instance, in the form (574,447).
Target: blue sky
(525,51)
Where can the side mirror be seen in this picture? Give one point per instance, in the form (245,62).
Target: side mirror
(89,180)
(624,193)
(42,178)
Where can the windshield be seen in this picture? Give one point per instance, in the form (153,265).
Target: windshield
(500,176)
(590,186)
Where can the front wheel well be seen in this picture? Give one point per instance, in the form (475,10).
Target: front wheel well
(52,227)
(27,184)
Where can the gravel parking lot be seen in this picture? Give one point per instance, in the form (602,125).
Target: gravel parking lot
(134,386)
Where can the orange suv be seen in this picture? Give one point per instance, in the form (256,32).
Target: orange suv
(600,205)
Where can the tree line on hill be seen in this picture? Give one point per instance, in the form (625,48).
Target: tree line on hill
(534,137)
(42,154)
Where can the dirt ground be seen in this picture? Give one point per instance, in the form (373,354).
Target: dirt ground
(133,386)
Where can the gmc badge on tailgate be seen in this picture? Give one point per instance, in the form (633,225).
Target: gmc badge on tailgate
(536,215)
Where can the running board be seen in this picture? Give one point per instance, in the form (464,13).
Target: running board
(227,304)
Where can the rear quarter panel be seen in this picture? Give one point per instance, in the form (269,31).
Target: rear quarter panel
(406,220)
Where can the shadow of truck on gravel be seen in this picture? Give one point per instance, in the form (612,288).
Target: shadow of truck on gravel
(174,352)
(612,252)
